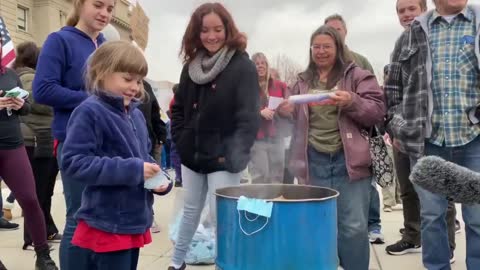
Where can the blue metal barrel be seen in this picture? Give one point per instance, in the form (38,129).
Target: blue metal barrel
(301,233)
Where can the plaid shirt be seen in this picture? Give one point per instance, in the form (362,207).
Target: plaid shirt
(455,84)
(408,87)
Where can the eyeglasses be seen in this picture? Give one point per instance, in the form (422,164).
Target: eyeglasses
(325,47)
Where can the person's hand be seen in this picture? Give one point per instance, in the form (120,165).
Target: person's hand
(387,140)
(267,114)
(5,102)
(17,103)
(285,108)
(150,170)
(161,189)
(342,98)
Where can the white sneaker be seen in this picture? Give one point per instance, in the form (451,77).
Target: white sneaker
(398,207)
(155,228)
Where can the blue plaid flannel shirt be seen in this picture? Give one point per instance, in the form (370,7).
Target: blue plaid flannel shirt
(455,81)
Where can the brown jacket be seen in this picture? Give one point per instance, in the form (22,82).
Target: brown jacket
(367,109)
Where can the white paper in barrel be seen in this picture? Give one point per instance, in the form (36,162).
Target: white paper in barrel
(308,98)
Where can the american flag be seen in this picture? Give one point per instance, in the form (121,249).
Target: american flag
(8,51)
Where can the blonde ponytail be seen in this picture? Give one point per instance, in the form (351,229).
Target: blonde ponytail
(74,16)
(72,20)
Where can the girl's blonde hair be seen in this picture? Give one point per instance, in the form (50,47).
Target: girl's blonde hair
(264,82)
(115,56)
(74,15)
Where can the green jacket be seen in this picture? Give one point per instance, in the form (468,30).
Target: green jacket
(36,127)
(362,61)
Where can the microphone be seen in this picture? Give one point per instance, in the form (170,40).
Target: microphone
(455,182)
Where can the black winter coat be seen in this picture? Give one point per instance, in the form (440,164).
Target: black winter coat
(157,130)
(214,125)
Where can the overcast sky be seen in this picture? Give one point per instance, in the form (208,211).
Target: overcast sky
(275,27)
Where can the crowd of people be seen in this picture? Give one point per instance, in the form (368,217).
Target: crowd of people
(230,112)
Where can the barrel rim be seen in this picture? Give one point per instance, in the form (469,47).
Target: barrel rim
(284,201)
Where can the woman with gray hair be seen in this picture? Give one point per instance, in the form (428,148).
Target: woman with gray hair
(329,146)
(268,153)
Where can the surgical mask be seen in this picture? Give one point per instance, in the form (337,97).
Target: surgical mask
(255,206)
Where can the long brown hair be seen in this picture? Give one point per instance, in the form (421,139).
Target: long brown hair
(191,42)
(27,55)
(342,59)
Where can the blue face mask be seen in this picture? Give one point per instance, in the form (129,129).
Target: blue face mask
(255,206)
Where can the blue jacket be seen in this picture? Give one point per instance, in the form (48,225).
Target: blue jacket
(59,78)
(105,148)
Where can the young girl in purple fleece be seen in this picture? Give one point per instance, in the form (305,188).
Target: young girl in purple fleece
(107,148)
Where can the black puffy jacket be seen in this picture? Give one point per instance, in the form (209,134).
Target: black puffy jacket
(157,130)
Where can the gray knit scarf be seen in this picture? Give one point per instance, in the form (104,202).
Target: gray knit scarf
(204,69)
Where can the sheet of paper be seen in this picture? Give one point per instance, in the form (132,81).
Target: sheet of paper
(17,92)
(274,102)
(308,98)
(160,179)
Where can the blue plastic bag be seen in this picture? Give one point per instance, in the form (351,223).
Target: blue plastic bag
(202,250)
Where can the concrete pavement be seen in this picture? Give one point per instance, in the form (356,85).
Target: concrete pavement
(156,256)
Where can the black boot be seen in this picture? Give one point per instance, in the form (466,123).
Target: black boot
(2,267)
(44,261)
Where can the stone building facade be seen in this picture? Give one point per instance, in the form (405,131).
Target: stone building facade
(34,20)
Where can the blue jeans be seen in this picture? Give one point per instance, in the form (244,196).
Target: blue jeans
(329,170)
(117,260)
(374,211)
(72,257)
(433,208)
